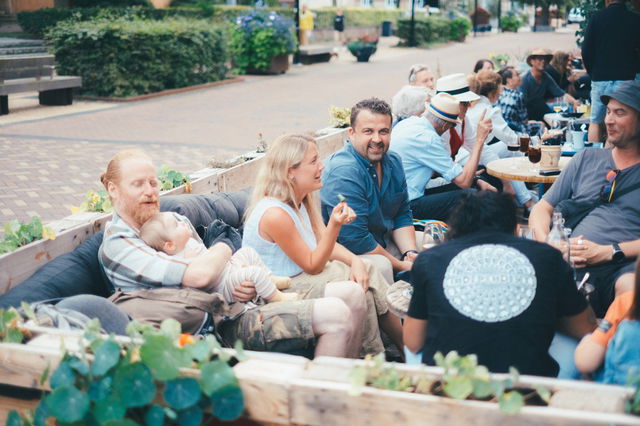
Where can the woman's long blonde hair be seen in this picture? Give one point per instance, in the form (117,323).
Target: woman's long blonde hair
(285,153)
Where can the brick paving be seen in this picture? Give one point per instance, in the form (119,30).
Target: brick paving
(51,156)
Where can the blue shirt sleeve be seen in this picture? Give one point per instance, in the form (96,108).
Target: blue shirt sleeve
(404,216)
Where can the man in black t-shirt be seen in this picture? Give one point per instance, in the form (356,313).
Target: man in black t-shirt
(490,293)
(338,27)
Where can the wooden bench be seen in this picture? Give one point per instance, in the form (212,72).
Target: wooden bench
(313,54)
(26,73)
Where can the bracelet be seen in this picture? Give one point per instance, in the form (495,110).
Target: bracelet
(407,252)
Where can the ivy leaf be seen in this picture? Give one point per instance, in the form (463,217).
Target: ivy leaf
(171,328)
(228,403)
(163,357)
(63,376)
(510,402)
(68,404)
(106,356)
(216,375)
(482,388)
(154,416)
(458,387)
(14,419)
(544,393)
(100,389)
(190,417)
(182,393)
(134,384)
(109,409)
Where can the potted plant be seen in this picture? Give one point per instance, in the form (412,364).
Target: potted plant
(261,42)
(459,28)
(364,47)
(510,23)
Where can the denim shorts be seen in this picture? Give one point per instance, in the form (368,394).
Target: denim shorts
(599,88)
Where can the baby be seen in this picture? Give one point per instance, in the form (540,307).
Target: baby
(165,233)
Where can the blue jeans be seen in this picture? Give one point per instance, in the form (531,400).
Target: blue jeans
(599,88)
(436,206)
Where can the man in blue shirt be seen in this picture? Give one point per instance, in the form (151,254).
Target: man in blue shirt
(417,140)
(372,180)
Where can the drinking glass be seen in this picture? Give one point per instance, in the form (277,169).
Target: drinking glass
(432,235)
(524,143)
(535,152)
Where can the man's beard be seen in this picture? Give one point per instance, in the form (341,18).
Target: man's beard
(146,210)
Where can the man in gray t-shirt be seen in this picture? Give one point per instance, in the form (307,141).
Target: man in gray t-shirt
(607,241)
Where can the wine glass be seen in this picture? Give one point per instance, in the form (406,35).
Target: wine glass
(535,152)
(432,235)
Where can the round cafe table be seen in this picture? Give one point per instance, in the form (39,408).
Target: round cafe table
(520,168)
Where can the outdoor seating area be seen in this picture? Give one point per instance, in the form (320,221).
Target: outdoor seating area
(460,246)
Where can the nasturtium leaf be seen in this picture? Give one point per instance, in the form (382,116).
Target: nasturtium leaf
(181,393)
(79,365)
(510,402)
(106,356)
(68,404)
(199,350)
(121,422)
(190,417)
(100,389)
(171,328)
(134,385)
(216,375)
(41,414)
(14,336)
(458,387)
(482,388)
(13,419)
(163,357)
(154,416)
(63,376)
(110,408)
(544,393)
(228,403)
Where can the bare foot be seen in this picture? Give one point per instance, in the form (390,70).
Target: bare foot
(278,296)
(281,282)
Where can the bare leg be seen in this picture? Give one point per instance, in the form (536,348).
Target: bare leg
(625,283)
(392,326)
(333,324)
(594,132)
(352,295)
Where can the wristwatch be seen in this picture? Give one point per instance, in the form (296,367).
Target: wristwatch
(618,255)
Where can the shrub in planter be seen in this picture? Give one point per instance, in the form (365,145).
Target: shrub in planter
(128,58)
(258,37)
(459,28)
(363,48)
(510,23)
(355,17)
(428,30)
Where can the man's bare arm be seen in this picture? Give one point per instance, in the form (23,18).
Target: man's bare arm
(540,220)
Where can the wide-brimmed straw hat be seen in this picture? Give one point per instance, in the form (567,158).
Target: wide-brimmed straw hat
(539,53)
(446,107)
(457,86)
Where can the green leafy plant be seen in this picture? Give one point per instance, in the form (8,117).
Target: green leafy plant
(433,29)
(510,23)
(500,60)
(258,37)
(170,179)
(633,404)
(94,201)
(363,48)
(463,378)
(139,382)
(17,234)
(459,28)
(10,331)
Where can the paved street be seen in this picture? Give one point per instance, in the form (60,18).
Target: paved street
(51,156)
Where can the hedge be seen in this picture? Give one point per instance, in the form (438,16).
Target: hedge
(355,17)
(127,58)
(427,30)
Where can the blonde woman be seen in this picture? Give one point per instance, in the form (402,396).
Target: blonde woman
(284,225)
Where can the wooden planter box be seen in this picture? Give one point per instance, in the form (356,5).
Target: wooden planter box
(287,389)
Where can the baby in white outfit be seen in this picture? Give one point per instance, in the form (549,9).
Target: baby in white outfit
(168,233)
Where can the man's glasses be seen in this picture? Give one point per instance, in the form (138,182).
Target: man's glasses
(607,190)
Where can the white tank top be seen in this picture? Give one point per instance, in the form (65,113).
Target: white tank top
(271,254)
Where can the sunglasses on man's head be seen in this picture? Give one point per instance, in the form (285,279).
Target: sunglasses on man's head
(607,190)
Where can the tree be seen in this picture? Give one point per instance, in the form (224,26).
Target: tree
(545,4)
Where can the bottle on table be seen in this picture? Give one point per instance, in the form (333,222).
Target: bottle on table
(558,238)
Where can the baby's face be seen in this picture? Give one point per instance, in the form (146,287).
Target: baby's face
(179,232)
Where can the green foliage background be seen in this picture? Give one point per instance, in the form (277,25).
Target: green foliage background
(428,30)
(127,58)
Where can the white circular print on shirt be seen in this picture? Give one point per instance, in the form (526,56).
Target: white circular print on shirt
(490,283)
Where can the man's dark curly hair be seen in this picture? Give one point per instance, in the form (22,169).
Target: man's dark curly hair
(375,105)
(482,211)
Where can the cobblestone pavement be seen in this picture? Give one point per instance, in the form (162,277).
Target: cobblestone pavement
(51,156)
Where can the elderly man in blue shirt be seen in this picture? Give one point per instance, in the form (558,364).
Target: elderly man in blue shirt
(417,139)
(372,180)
